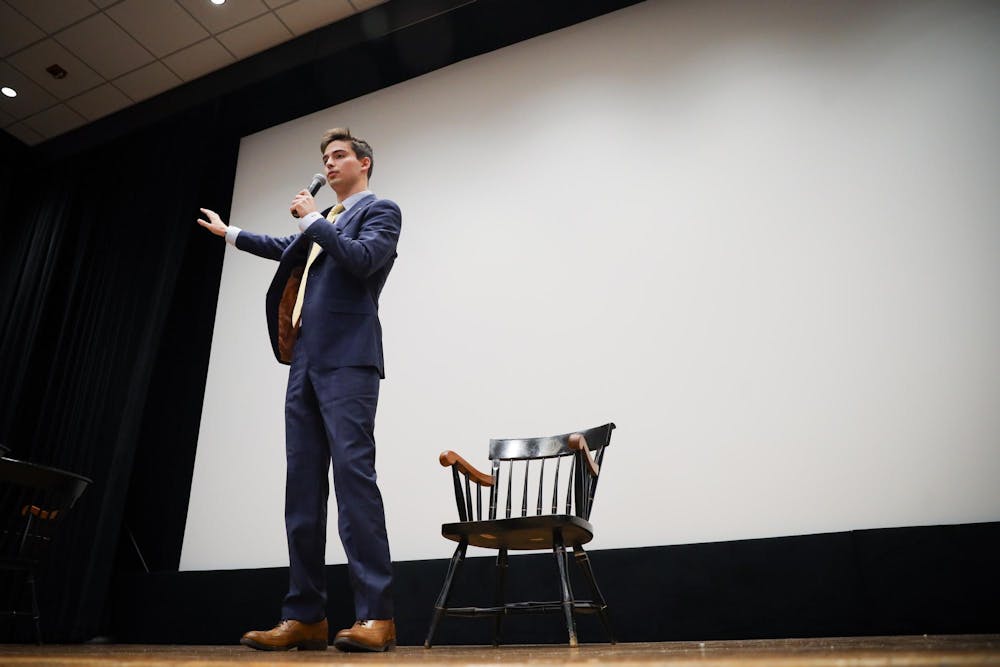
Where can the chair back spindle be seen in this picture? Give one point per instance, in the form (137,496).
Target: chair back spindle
(494,490)
(459,498)
(541,486)
(555,487)
(510,478)
(468,498)
(569,487)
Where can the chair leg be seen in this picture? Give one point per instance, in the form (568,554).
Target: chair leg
(499,597)
(583,560)
(35,614)
(567,591)
(442,601)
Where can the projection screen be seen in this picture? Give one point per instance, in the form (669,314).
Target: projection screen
(761,238)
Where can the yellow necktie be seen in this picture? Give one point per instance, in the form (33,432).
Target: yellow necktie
(313,254)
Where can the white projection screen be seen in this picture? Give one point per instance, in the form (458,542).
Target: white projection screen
(763,238)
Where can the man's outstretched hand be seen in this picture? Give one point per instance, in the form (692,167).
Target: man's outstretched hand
(214,223)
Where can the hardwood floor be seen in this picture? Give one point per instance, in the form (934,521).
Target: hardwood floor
(854,651)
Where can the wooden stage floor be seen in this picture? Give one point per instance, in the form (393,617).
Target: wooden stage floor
(854,651)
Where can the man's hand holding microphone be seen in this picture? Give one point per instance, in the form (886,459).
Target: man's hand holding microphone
(304,204)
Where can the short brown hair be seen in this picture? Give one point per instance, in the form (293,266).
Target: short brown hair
(361,148)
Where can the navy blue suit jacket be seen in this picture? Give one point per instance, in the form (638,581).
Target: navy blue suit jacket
(340,309)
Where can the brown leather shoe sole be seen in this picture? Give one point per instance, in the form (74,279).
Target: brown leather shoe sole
(305,645)
(351,646)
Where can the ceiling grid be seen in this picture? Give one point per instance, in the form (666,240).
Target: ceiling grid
(117,53)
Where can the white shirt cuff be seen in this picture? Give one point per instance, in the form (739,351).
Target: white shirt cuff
(231,233)
(309,219)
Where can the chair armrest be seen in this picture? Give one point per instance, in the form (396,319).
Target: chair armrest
(450,458)
(579,443)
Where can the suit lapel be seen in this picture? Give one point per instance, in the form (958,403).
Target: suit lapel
(298,250)
(347,220)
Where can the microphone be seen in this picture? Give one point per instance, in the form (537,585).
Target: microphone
(317,182)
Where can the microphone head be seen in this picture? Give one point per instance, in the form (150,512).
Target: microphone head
(317,182)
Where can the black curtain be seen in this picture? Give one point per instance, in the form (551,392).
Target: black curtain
(92,250)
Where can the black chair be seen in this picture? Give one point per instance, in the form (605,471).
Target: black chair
(554,487)
(34,500)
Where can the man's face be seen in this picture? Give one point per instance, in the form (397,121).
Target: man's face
(344,171)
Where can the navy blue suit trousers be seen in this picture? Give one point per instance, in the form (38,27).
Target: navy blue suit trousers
(330,417)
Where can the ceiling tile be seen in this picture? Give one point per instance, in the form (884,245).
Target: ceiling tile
(148,81)
(99,42)
(200,59)
(161,25)
(31,98)
(254,36)
(51,19)
(104,4)
(33,60)
(274,4)
(99,102)
(25,134)
(5,118)
(304,16)
(362,5)
(222,17)
(16,32)
(55,120)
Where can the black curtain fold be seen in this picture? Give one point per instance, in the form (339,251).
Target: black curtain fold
(92,249)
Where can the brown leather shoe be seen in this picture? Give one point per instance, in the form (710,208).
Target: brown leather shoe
(288,635)
(367,636)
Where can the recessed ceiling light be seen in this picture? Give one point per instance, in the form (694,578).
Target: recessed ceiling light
(8,91)
(218,2)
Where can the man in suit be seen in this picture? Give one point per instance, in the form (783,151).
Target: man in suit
(322,313)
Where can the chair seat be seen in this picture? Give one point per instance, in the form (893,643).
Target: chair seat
(521,533)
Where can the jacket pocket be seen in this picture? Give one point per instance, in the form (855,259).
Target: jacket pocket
(363,306)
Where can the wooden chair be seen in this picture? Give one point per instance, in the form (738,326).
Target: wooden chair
(553,480)
(34,500)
